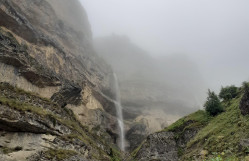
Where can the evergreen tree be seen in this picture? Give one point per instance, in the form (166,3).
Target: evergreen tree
(213,105)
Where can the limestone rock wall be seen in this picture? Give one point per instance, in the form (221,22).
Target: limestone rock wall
(46,51)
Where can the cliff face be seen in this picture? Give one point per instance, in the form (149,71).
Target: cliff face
(53,83)
(60,42)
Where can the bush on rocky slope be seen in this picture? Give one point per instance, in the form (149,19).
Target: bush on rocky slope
(213,105)
(229,92)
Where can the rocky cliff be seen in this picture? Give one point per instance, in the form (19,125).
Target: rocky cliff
(55,89)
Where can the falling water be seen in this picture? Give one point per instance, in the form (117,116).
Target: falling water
(119,114)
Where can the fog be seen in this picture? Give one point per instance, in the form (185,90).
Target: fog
(172,83)
(213,33)
(172,51)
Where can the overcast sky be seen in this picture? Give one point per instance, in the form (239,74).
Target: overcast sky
(214,33)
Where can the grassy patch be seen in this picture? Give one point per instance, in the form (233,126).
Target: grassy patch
(220,157)
(223,133)
(45,114)
(59,154)
(180,151)
(19,91)
(7,150)
(23,106)
(79,131)
(195,120)
(115,155)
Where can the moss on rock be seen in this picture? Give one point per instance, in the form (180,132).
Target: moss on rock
(59,154)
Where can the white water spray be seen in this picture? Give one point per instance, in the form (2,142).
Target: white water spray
(119,114)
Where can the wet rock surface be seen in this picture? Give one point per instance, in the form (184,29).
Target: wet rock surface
(244,103)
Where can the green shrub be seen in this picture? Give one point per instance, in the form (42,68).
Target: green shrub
(213,105)
(114,154)
(245,85)
(7,150)
(229,92)
(218,158)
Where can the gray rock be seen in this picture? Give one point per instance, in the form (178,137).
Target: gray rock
(244,143)
(244,103)
(159,146)
(135,135)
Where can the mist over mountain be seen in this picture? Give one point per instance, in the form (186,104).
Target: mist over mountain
(214,34)
(170,83)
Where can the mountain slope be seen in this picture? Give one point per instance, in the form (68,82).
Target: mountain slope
(200,136)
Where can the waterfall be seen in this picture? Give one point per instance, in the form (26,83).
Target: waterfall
(119,114)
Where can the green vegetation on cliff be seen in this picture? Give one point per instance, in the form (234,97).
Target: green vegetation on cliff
(229,92)
(213,105)
(10,98)
(197,119)
(201,136)
(222,135)
(7,150)
(59,154)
